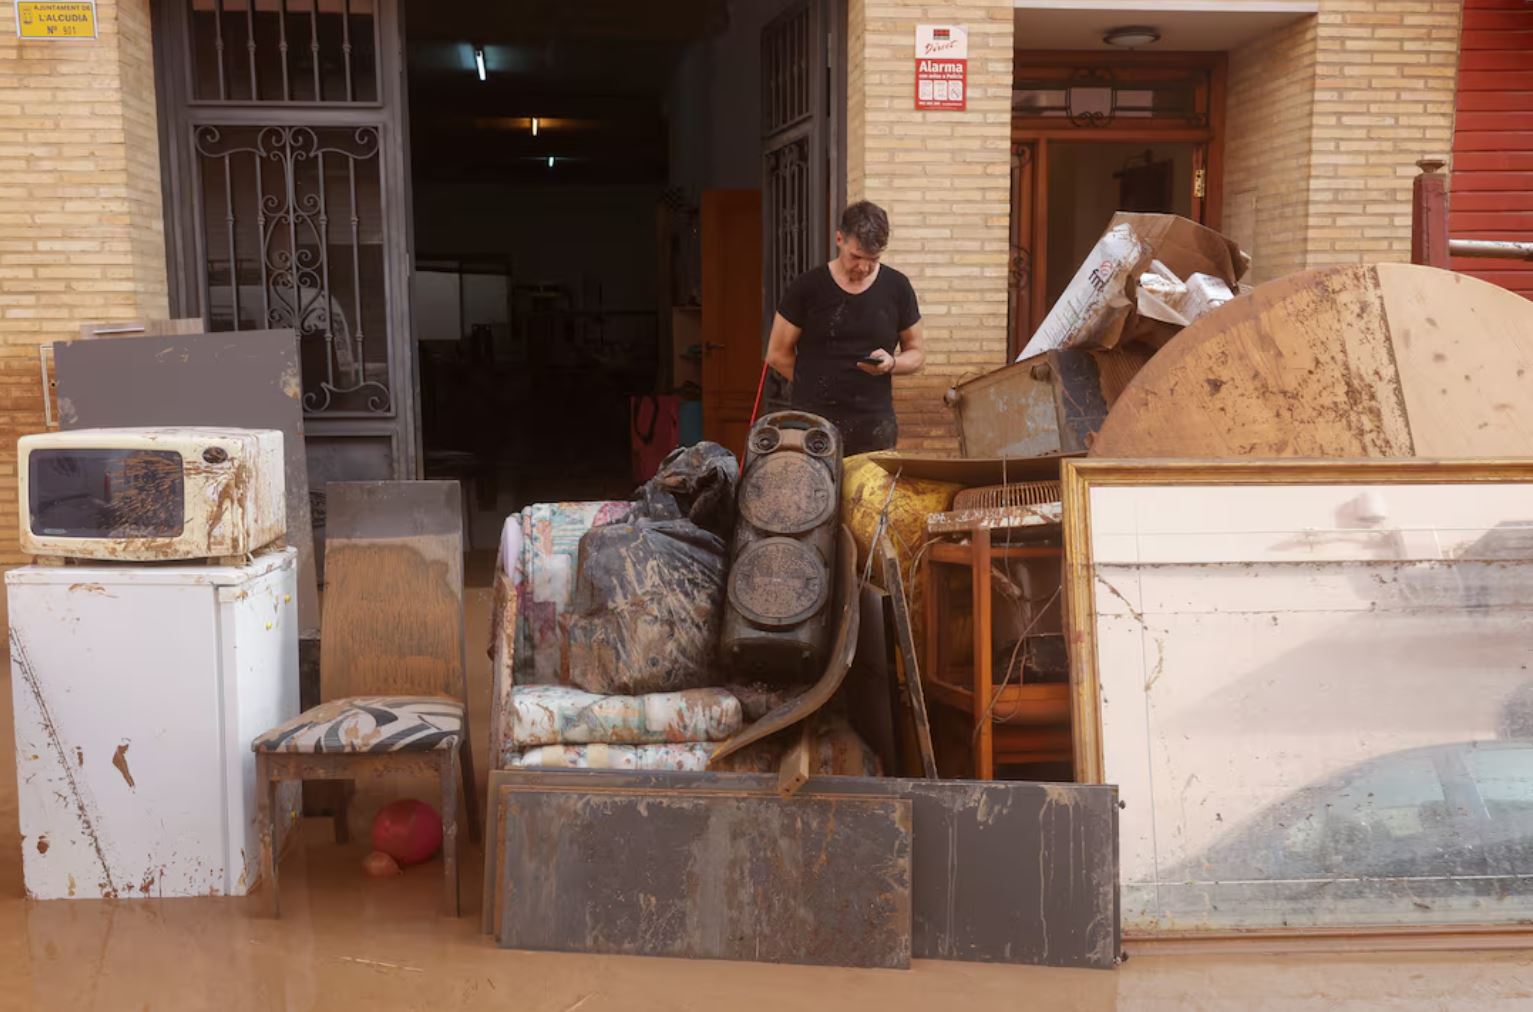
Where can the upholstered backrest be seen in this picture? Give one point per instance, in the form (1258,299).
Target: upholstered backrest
(393,597)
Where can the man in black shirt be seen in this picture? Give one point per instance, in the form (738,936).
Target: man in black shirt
(843,329)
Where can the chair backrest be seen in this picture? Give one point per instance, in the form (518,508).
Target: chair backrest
(393,598)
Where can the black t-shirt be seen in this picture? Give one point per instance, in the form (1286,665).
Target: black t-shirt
(838,329)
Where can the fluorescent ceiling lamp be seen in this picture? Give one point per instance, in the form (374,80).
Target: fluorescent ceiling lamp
(550,161)
(534,126)
(479,62)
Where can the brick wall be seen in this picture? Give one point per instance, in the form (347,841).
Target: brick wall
(1269,121)
(81,228)
(1326,121)
(1384,87)
(944,178)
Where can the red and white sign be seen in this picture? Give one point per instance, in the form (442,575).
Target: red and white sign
(942,67)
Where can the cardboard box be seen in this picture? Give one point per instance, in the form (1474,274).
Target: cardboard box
(1099,307)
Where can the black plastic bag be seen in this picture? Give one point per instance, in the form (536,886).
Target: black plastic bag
(695,483)
(649,589)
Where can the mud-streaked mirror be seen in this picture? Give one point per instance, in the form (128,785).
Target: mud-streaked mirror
(1313,686)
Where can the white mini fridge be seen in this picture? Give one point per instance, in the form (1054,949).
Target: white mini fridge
(138,689)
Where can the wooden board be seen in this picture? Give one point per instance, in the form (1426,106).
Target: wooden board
(1464,349)
(972,472)
(910,667)
(1392,360)
(707,875)
(732,334)
(393,616)
(1004,872)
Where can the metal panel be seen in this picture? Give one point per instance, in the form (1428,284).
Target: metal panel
(249,381)
(1050,403)
(724,875)
(1005,871)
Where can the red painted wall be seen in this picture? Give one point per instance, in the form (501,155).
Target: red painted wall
(1491,192)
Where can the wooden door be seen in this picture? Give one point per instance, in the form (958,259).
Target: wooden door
(732,314)
(1071,97)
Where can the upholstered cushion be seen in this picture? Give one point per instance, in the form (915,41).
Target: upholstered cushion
(370,724)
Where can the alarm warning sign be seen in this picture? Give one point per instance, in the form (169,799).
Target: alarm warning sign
(942,67)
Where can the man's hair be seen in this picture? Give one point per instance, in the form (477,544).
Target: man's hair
(866,222)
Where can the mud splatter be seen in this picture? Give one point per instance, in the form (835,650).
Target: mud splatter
(42,845)
(22,663)
(79,756)
(90,588)
(120,760)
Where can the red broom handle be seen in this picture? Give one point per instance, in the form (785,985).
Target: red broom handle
(760,386)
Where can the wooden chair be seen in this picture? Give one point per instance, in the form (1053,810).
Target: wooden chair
(1021,723)
(391,662)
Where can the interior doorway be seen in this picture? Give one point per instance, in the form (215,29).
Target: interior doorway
(1093,134)
(487,223)
(1091,180)
(565,161)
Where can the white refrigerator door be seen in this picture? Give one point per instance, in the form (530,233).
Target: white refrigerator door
(258,635)
(137,692)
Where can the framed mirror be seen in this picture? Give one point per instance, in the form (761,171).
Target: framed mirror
(1312,683)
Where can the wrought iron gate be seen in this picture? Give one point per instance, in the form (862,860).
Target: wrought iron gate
(802,119)
(287,207)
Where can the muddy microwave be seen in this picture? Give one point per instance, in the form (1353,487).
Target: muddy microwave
(142,495)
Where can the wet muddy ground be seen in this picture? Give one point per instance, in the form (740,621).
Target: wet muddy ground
(348,942)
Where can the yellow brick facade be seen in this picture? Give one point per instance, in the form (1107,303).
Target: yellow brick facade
(81,222)
(945,179)
(1327,118)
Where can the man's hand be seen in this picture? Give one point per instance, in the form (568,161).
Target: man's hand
(885,363)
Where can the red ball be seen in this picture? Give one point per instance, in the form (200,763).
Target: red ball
(409,831)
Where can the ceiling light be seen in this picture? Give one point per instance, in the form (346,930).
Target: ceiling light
(534,126)
(479,62)
(1131,36)
(550,161)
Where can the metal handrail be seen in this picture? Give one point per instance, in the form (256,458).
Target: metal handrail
(1490,249)
(1430,244)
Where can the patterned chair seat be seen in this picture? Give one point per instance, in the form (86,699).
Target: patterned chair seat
(370,724)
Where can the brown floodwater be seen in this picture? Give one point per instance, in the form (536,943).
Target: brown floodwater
(349,942)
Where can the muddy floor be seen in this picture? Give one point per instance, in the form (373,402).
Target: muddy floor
(347,942)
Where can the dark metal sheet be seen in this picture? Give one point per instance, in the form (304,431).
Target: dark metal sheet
(246,380)
(1078,401)
(1006,871)
(869,695)
(714,875)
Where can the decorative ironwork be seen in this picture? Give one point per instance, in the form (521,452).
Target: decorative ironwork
(789,58)
(1019,271)
(282,51)
(795,193)
(300,209)
(787,213)
(1096,96)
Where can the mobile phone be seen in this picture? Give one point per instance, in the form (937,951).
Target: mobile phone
(870,360)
